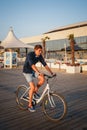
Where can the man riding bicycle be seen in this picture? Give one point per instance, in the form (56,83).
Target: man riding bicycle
(30,70)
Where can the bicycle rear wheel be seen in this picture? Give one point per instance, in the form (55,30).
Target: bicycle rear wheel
(21,97)
(54,107)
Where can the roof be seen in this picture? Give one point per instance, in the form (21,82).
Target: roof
(76,25)
(11,41)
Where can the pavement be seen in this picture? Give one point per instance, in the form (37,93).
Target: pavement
(72,86)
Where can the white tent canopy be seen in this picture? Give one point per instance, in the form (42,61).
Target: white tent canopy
(11,41)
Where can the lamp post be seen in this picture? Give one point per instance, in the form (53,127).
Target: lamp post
(44,45)
(65,53)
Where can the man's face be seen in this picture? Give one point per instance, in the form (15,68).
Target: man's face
(38,51)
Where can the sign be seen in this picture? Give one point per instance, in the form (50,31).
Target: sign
(7,58)
(10,59)
(14,58)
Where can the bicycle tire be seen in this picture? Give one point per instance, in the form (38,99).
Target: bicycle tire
(57,112)
(22,104)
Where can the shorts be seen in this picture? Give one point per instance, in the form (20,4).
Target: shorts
(30,77)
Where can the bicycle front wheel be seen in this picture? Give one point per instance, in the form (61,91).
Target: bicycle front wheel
(21,97)
(54,107)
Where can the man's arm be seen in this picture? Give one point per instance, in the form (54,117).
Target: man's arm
(48,69)
(35,69)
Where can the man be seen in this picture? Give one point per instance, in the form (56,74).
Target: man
(30,70)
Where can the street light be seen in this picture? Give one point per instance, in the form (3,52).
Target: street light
(44,45)
(65,53)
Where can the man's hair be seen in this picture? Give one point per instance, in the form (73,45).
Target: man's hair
(37,47)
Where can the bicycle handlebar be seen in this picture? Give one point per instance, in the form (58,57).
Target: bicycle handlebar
(48,76)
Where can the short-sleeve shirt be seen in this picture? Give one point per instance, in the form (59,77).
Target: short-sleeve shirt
(32,59)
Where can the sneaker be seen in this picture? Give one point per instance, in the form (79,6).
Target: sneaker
(32,109)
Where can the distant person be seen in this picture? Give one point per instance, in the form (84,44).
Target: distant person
(30,71)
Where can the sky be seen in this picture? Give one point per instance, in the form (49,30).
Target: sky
(34,17)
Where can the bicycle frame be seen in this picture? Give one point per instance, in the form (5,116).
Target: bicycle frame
(45,91)
(22,97)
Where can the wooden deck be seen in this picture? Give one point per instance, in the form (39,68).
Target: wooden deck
(72,86)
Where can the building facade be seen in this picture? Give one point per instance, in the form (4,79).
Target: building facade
(58,41)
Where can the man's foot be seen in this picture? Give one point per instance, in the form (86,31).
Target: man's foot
(32,109)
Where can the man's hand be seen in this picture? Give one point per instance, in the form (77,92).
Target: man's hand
(53,74)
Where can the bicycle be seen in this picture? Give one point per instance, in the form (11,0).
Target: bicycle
(53,105)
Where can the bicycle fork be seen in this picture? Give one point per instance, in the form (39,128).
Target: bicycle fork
(50,97)
(51,100)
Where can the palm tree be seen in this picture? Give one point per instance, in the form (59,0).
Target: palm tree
(44,45)
(72,42)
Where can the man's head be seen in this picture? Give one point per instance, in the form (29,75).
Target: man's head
(38,50)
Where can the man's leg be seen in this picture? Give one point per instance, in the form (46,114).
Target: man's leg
(31,91)
(41,81)
(29,79)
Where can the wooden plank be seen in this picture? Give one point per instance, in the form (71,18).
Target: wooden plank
(72,87)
